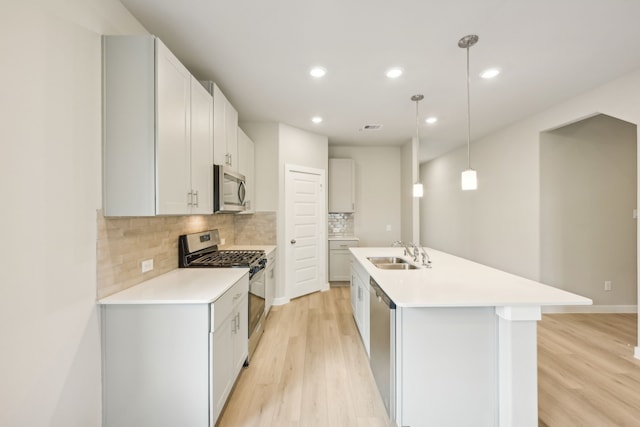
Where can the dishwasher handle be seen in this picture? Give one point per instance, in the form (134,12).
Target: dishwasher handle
(381,295)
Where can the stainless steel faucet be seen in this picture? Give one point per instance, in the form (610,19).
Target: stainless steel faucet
(426,261)
(414,252)
(409,249)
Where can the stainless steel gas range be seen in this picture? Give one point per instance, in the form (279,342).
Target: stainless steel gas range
(200,250)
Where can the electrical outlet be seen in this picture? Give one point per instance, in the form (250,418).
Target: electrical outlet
(147,265)
(223,240)
(388,227)
(607,285)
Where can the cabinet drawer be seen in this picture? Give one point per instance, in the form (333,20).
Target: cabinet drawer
(342,244)
(223,306)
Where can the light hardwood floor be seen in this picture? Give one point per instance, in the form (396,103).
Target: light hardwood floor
(587,375)
(310,369)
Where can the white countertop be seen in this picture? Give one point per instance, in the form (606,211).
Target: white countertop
(180,286)
(344,238)
(456,282)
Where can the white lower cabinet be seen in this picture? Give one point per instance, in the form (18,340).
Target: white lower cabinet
(270,281)
(339,258)
(230,342)
(360,301)
(167,365)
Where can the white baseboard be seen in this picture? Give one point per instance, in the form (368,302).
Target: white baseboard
(280,301)
(636,353)
(326,287)
(590,309)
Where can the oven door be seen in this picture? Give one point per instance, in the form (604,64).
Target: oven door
(256,310)
(229,190)
(256,300)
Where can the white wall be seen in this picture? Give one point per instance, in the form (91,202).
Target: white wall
(499,224)
(406,193)
(50,105)
(587,196)
(378,199)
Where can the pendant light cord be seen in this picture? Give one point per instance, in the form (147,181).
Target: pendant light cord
(468,115)
(417,124)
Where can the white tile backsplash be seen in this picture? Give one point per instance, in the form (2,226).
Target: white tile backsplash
(340,224)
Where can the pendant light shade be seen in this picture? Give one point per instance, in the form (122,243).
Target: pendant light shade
(469,179)
(418,189)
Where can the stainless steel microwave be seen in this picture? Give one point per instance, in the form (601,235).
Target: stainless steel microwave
(229,190)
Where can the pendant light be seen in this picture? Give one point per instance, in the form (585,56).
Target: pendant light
(418,189)
(469,177)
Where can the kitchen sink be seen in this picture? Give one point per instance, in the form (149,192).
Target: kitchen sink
(386,260)
(399,266)
(391,263)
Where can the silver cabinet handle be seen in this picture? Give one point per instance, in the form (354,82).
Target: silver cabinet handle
(293,241)
(195,195)
(190,198)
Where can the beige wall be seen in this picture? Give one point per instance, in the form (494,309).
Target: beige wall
(378,199)
(50,191)
(587,196)
(406,194)
(499,224)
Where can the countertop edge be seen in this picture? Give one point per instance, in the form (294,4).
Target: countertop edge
(413,291)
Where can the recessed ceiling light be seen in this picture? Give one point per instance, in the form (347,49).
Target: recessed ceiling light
(431,120)
(394,73)
(316,119)
(318,72)
(490,73)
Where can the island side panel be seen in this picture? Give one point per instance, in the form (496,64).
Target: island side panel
(155,365)
(447,371)
(518,365)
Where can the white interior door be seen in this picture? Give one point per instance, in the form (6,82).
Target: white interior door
(305,221)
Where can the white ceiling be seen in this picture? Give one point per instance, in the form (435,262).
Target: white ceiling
(260,53)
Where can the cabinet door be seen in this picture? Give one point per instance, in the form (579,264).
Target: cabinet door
(241,335)
(201,149)
(219,127)
(246,166)
(222,360)
(339,264)
(173,178)
(270,286)
(353,289)
(342,185)
(231,132)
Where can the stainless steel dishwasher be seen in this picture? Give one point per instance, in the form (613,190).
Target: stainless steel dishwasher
(382,327)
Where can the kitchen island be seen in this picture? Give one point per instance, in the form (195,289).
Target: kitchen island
(464,346)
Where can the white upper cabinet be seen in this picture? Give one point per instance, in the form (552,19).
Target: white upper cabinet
(225,135)
(158,132)
(246,166)
(342,184)
(201,149)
